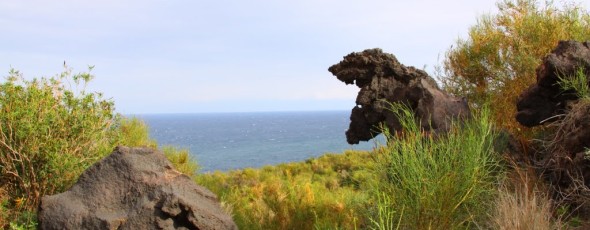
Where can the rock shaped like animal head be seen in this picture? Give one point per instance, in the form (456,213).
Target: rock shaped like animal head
(361,67)
(545,99)
(383,80)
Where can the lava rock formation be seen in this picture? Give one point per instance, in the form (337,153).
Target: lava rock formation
(133,188)
(382,80)
(565,159)
(545,99)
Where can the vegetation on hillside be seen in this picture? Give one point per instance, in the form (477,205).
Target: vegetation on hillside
(421,182)
(331,191)
(411,182)
(51,129)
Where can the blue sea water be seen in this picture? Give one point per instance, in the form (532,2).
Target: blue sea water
(226,141)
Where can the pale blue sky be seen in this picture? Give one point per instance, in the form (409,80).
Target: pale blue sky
(224,56)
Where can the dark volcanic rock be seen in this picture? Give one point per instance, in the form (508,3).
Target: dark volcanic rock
(565,158)
(133,188)
(546,99)
(383,80)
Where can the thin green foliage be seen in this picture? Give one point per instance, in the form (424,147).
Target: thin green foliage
(49,134)
(440,181)
(578,83)
(386,214)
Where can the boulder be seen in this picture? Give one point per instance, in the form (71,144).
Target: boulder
(545,99)
(133,188)
(382,80)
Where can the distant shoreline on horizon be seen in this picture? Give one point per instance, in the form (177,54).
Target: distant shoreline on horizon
(237,112)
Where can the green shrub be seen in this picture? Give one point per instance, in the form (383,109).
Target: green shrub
(49,134)
(498,60)
(436,182)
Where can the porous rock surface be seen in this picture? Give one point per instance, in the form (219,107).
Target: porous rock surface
(133,188)
(382,80)
(545,99)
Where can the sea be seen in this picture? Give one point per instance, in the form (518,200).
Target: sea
(227,141)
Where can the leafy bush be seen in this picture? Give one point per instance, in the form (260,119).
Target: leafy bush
(436,182)
(49,134)
(498,60)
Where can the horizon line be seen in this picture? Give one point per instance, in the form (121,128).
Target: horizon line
(233,112)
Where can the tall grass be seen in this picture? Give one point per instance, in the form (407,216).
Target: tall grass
(523,203)
(437,181)
(522,210)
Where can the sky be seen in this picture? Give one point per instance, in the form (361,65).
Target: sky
(156,56)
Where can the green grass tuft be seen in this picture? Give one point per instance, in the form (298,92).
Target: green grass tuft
(578,83)
(442,181)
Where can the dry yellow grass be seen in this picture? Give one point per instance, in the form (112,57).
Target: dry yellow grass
(522,204)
